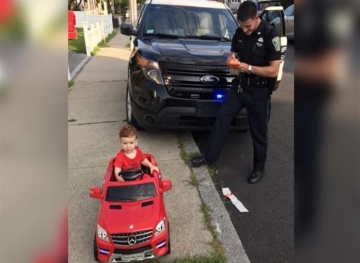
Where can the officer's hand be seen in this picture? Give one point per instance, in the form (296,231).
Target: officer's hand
(243,67)
(231,57)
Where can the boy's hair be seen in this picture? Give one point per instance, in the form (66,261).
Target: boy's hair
(246,11)
(128,131)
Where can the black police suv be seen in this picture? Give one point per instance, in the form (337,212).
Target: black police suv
(177,72)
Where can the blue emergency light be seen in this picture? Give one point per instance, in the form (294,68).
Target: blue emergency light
(219,96)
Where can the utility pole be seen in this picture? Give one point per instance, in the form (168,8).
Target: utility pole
(133,18)
(133,12)
(113,8)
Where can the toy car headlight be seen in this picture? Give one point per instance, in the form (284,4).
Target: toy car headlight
(150,69)
(101,233)
(160,227)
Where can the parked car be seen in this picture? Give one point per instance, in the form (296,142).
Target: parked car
(263,4)
(289,22)
(132,224)
(177,72)
(71,25)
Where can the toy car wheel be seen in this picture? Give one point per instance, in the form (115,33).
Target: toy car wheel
(169,244)
(95,250)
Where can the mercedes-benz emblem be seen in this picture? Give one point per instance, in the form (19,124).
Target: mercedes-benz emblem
(132,240)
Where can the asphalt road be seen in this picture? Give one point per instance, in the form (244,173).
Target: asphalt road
(267,230)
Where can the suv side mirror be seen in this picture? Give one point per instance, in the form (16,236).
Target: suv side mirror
(166,186)
(128,29)
(95,192)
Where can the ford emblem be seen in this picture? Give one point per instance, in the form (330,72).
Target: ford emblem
(209,79)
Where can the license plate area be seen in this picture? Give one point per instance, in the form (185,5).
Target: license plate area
(139,256)
(207,109)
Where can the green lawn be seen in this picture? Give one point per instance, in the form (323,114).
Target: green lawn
(78,45)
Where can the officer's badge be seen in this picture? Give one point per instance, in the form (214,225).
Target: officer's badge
(276,43)
(260,39)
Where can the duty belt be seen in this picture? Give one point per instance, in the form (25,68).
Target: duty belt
(253,81)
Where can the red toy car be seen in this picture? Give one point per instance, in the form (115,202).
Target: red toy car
(132,223)
(71,25)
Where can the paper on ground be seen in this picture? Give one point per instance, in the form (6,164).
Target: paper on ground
(226,191)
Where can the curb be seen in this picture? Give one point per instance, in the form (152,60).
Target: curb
(235,252)
(79,67)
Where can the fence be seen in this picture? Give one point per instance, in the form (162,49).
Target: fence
(96,28)
(94,34)
(83,16)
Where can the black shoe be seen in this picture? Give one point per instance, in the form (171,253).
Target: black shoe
(198,161)
(255,177)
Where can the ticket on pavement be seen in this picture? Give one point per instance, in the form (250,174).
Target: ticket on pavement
(226,191)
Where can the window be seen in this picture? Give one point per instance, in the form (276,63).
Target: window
(188,21)
(130,192)
(275,19)
(289,11)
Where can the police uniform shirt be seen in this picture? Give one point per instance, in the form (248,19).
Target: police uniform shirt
(257,49)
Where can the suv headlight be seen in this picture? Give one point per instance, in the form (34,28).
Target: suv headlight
(150,69)
(102,234)
(160,227)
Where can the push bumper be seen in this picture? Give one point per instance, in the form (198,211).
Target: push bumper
(184,118)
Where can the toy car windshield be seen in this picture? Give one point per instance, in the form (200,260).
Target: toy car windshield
(130,192)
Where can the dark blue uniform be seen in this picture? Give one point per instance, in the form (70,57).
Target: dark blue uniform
(250,92)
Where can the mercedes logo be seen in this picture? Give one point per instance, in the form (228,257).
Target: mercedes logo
(132,240)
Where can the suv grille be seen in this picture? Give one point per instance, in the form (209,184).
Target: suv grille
(123,239)
(172,68)
(183,81)
(132,251)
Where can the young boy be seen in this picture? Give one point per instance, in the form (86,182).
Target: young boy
(130,156)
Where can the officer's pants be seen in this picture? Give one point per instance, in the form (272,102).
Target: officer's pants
(258,116)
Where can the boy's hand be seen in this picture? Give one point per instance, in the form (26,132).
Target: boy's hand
(120,179)
(153,167)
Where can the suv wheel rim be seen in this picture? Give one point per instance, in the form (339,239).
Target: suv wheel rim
(128,107)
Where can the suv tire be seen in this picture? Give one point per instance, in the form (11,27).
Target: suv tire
(129,116)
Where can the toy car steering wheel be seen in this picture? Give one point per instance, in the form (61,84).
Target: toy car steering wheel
(131,174)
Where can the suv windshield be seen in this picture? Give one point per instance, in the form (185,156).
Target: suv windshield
(186,21)
(130,192)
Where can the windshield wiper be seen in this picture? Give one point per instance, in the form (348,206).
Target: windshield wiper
(210,37)
(163,35)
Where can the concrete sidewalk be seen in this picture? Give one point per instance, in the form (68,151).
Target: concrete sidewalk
(96,112)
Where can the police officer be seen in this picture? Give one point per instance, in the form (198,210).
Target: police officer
(256,45)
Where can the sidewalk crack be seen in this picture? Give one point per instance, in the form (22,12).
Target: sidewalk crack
(91,123)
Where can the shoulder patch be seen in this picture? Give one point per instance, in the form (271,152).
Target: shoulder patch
(276,43)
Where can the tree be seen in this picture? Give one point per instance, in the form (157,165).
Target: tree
(74,5)
(124,5)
